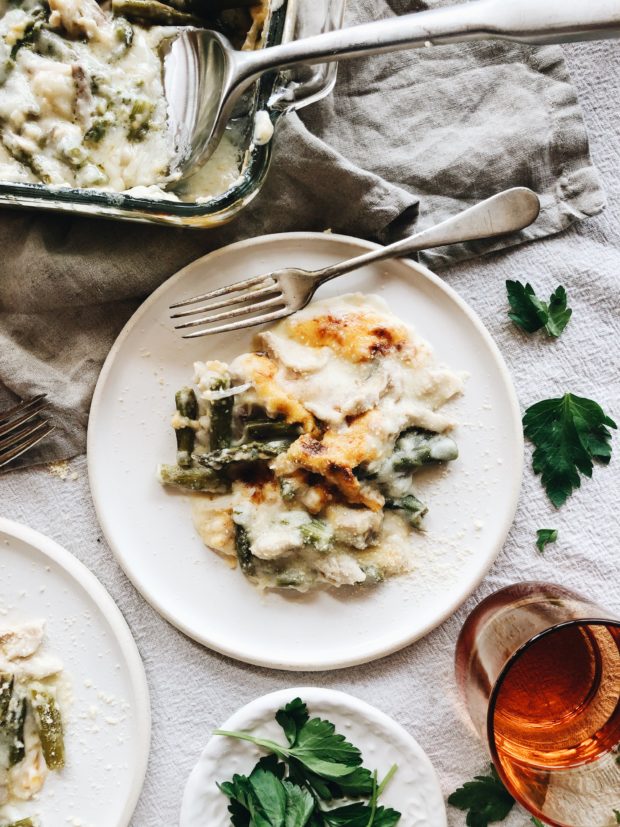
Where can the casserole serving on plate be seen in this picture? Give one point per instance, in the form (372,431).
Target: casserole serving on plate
(216,194)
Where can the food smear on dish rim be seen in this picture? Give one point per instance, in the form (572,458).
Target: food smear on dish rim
(365,392)
(28,674)
(82,103)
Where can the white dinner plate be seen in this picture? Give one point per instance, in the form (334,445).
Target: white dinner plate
(107,722)
(414,790)
(472,503)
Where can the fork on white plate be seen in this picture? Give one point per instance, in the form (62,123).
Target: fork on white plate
(273,296)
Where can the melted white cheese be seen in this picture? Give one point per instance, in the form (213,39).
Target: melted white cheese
(334,387)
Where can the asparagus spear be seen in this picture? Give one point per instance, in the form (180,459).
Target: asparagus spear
(412,509)
(15,729)
(187,406)
(49,724)
(244,551)
(23,822)
(220,430)
(208,9)
(152,11)
(288,489)
(416,448)
(250,452)
(192,479)
(258,430)
(291,579)
(318,534)
(6,692)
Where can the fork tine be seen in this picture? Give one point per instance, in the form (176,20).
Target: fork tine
(27,413)
(231,314)
(21,433)
(249,295)
(222,291)
(21,407)
(29,440)
(249,322)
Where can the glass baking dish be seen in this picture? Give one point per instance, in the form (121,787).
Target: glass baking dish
(277,94)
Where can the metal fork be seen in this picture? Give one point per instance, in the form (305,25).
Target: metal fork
(21,428)
(278,294)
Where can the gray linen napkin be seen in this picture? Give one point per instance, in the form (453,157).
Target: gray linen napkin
(405,140)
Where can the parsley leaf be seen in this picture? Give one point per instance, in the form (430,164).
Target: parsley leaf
(359,815)
(263,799)
(568,434)
(358,783)
(559,313)
(322,766)
(292,718)
(323,751)
(544,536)
(531,314)
(528,312)
(318,747)
(617,815)
(485,798)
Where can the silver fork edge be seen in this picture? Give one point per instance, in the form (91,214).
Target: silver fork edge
(222,291)
(24,414)
(29,439)
(232,314)
(22,406)
(237,298)
(247,322)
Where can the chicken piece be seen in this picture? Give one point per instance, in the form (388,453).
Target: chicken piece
(357,527)
(340,570)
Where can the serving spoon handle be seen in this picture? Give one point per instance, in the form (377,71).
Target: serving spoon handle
(524,21)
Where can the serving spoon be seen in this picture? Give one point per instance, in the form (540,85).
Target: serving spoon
(204,76)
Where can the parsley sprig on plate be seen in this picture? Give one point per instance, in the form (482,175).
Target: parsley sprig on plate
(568,433)
(531,313)
(291,786)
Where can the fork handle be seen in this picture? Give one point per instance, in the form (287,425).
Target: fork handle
(525,21)
(501,214)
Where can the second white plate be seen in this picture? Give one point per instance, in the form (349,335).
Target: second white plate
(472,504)
(414,790)
(107,722)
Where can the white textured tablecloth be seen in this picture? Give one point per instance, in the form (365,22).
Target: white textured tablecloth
(415,686)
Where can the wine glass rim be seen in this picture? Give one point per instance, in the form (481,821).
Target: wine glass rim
(581,621)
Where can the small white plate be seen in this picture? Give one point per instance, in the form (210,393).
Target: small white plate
(108,723)
(472,503)
(414,790)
